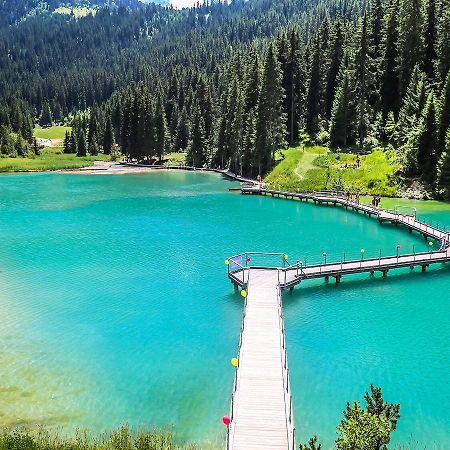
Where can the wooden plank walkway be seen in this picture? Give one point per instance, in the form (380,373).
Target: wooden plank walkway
(261,405)
(293,275)
(261,410)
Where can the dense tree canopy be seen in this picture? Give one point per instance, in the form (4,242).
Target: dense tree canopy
(232,83)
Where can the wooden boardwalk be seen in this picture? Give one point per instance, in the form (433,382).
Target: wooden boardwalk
(261,410)
(261,404)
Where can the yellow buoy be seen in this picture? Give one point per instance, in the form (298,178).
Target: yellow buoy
(244,293)
(234,362)
(285,257)
(430,244)
(227,262)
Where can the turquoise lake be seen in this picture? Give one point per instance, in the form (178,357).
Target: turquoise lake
(115,306)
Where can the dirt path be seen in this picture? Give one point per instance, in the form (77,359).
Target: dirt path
(305,164)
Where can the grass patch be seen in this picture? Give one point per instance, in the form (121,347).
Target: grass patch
(51,158)
(54,133)
(317,169)
(175,159)
(79,11)
(121,439)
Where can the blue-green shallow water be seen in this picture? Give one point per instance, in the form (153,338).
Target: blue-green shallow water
(114,306)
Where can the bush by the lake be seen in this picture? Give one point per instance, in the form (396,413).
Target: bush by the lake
(364,429)
(121,439)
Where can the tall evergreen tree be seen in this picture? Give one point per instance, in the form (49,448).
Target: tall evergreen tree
(235,127)
(108,137)
(197,151)
(67,144)
(343,113)
(443,41)
(182,134)
(412,106)
(426,142)
(160,130)
(313,98)
(363,82)
(430,39)
(410,38)
(443,170)
(46,116)
(390,80)
(81,143)
(337,53)
(271,120)
(444,114)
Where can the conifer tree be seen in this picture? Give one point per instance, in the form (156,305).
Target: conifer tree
(160,130)
(196,155)
(108,137)
(343,113)
(412,106)
(235,127)
(313,98)
(93,129)
(444,114)
(46,116)
(73,142)
(252,81)
(271,120)
(443,41)
(375,51)
(93,145)
(443,170)
(182,134)
(67,144)
(390,81)
(410,39)
(81,143)
(249,143)
(375,32)
(430,39)
(426,142)
(363,82)
(337,53)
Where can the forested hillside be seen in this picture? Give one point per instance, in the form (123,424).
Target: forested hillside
(231,84)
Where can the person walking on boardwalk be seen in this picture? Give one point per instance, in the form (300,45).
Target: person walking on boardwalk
(357,198)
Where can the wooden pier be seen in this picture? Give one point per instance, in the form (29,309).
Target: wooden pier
(261,407)
(261,404)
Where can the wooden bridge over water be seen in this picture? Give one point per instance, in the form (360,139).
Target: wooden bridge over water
(261,403)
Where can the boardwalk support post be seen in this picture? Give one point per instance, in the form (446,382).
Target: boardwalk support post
(338,278)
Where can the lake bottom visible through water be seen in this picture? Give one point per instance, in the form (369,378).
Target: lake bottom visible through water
(115,307)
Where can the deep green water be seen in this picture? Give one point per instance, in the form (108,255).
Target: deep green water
(115,306)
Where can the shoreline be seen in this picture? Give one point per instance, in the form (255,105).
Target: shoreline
(122,168)
(119,168)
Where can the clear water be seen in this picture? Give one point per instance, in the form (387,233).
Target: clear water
(115,306)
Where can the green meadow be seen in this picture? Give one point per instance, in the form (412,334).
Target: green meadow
(315,168)
(53,133)
(51,158)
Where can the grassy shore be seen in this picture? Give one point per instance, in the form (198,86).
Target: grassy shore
(315,168)
(121,439)
(51,158)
